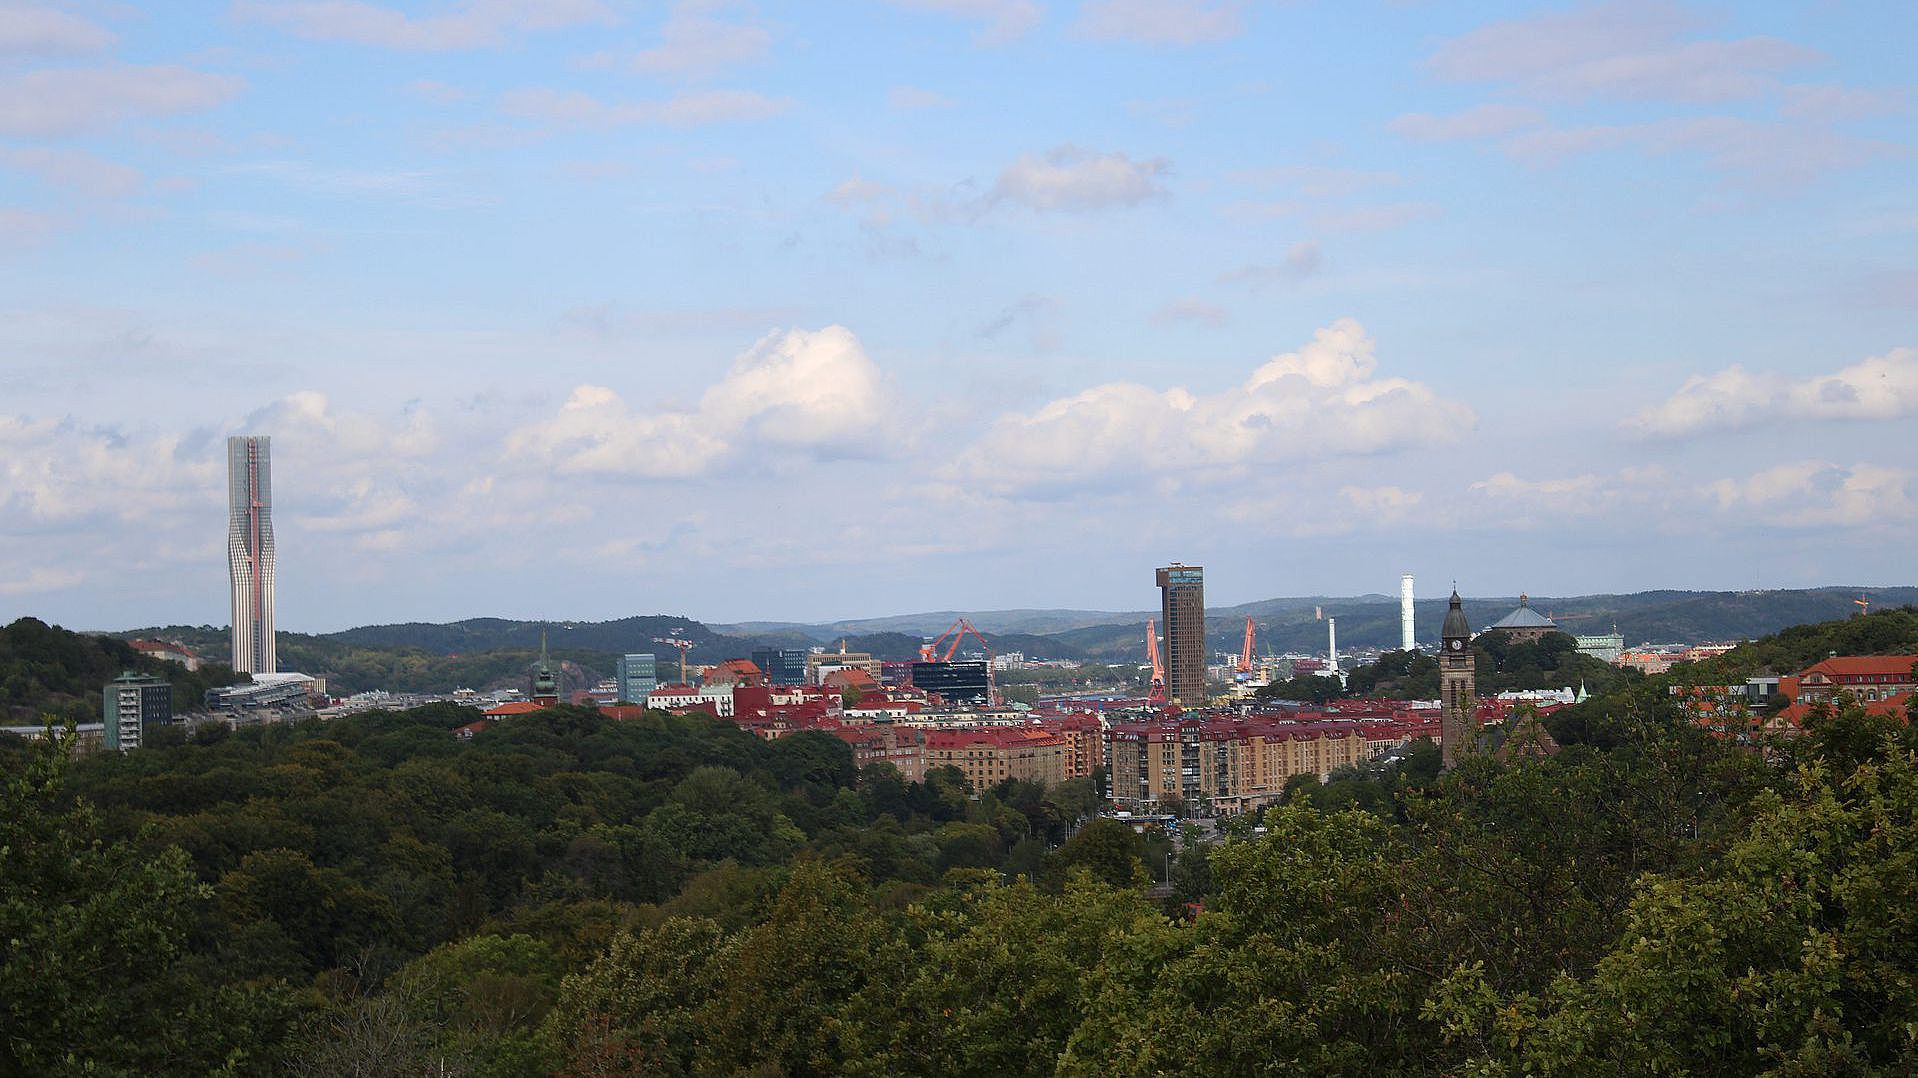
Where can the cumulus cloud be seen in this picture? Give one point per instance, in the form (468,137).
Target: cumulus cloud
(576,109)
(1162,22)
(1637,49)
(1820,494)
(1071,178)
(1002,21)
(40,30)
(811,393)
(55,472)
(69,101)
(468,25)
(1880,387)
(1322,400)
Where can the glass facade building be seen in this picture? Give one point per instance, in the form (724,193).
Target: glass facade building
(782,666)
(637,676)
(249,549)
(959,684)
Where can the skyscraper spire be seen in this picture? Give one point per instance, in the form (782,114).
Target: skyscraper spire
(545,685)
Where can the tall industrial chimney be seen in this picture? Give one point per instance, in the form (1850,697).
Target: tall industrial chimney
(1332,644)
(1406,640)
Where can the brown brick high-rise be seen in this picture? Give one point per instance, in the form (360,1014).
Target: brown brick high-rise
(1182,607)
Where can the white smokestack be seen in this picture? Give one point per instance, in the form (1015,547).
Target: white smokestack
(1406,642)
(1332,642)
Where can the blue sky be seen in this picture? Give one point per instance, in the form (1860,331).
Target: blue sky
(583,308)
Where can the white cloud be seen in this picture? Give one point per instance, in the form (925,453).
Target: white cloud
(39,30)
(1162,22)
(67,101)
(695,44)
(1881,387)
(55,472)
(1323,400)
(814,394)
(1070,178)
(1637,49)
(1004,21)
(1819,494)
(41,579)
(577,109)
(1479,121)
(469,25)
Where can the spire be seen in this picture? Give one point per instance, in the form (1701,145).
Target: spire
(545,685)
(1455,624)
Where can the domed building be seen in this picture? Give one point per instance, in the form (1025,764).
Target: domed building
(1525,625)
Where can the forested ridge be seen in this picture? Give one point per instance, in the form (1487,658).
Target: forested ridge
(568,894)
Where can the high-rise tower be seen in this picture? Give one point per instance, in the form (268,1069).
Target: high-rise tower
(1458,726)
(1406,640)
(249,552)
(1182,605)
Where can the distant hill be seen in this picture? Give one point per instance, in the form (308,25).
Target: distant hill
(488,653)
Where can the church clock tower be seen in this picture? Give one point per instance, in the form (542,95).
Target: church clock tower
(1458,728)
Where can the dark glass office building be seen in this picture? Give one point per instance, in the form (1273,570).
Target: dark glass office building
(782,666)
(962,684)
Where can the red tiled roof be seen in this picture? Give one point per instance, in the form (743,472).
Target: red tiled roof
(1894,705)
(1855,665)
(517,707)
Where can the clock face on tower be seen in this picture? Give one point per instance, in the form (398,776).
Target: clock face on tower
(1457,645)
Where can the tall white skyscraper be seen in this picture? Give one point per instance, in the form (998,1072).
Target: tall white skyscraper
(249,548)
(1406,640)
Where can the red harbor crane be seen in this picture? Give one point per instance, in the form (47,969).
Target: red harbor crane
(1245,653)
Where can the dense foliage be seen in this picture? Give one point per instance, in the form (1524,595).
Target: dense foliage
(1499,664)
(671,896)
(48,671)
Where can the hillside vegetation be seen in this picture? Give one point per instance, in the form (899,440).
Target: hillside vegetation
(48,671)
(670,896)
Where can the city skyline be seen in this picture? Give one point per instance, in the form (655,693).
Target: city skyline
(580,309)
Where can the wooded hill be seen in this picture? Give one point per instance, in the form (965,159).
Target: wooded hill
(47,671)
(670,896)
